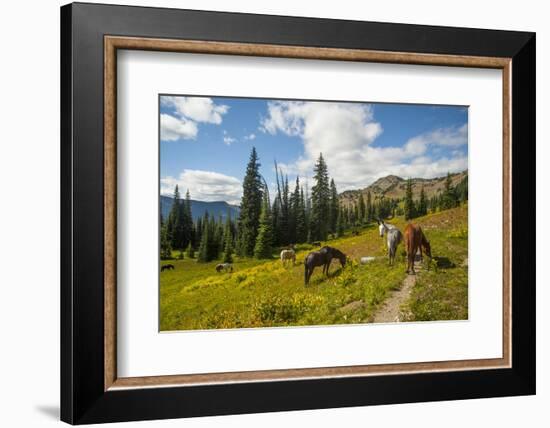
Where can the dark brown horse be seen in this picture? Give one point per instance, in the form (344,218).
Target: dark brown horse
(323,257)
(415,240)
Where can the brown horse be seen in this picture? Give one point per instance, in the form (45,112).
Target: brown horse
(415,240)
(323,257)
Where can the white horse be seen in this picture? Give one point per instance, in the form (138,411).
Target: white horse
(384,227)
(394,238)
(288,255)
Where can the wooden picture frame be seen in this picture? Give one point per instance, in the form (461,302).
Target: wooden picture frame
(91,390)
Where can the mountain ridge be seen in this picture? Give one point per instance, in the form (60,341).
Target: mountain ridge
(394,187)
(198,208)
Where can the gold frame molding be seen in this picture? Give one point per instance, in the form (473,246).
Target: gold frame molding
(113,43)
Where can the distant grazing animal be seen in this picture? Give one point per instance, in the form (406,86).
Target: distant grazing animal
(394,237)
(316,244)
(224,267)
(415,240)
(323,257)
(355,233)
(167,267)
(288,255)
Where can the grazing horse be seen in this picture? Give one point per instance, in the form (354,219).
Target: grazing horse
(323,257)
(167,267)
(415,240)
(394,237)
(224,267)
(288,255)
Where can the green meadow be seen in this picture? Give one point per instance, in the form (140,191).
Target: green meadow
(266,293)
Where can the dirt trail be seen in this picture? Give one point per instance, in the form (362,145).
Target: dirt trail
(389,312)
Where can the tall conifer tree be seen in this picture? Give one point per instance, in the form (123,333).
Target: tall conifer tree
(228,241)
(361,209)
(320,197)
(370,211)
(409,203)
(263,248)
(334,207)
(251,205)
(422,203)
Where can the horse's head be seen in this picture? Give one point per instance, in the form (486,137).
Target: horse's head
(381,229)
(427,248)
(342,257)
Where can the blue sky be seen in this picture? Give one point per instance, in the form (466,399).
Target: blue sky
(206,141)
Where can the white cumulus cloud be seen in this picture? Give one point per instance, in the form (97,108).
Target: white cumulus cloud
(345,133)
(188,113)
(172,128)
(204,186)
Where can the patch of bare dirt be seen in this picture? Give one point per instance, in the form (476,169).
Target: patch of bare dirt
(390,310)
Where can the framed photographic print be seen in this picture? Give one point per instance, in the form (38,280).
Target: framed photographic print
(265,213)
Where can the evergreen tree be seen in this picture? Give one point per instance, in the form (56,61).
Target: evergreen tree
(448,199)
(282,213)
(228,241)
(190,251)
(294,206)
(369,208)
(187,221)
(263,248)
(174,225)
(461,190)
(216,237)
(352,215)
(300,215)
(203,255)
(251,205)
(320,197)
(198,233)
(422,204)
(409,203)
(334,207)
(276,219)
(165,247)
(361,208)
(340,224)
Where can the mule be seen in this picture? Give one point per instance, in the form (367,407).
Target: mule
(323,257)
(415,241)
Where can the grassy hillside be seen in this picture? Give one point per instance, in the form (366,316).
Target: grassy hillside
(268,294)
